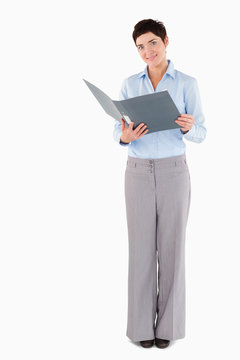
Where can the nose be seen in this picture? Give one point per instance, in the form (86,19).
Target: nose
(149,53)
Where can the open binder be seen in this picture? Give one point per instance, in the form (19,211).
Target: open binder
(157,110)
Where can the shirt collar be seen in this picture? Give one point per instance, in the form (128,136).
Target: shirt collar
(170,70)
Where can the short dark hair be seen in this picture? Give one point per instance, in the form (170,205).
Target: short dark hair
(149,25)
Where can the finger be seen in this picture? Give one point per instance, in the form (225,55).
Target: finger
(140,132)
(187,126)
(144,132)
(123,124)
(140,127)
(187,116)
(185,121)
(131,125)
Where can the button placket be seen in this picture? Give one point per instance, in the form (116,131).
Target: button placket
(151,165)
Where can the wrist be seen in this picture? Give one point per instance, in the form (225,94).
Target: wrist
(123,142)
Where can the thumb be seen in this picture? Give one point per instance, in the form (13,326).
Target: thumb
(123,124)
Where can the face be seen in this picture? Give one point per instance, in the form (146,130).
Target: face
(152,49)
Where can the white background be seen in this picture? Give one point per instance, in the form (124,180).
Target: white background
(64,247)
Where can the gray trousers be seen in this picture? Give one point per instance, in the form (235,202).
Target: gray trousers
(157,197)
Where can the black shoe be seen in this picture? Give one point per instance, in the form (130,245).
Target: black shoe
(147,343)
(161,343)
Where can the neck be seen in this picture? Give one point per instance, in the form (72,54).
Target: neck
(159,70)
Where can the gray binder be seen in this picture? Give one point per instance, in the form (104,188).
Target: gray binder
(156,110)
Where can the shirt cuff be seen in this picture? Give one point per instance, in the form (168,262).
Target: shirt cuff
(189,134)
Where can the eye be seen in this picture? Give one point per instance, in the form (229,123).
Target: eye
(154,42)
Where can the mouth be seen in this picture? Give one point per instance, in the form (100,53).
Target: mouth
(152,57)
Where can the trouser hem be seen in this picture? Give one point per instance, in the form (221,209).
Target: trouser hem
(167,337)
(140,338)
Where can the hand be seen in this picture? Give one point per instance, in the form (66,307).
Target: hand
(129,135)
(186,121)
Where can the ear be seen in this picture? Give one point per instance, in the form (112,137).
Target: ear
(166,40)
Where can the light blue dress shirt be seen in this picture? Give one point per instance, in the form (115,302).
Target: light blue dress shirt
(185,93)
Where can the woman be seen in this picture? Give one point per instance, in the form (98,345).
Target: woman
(157,194)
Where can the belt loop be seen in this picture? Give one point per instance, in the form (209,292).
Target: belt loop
(135,164)
(175,163)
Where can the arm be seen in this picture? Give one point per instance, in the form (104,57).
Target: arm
(193,107)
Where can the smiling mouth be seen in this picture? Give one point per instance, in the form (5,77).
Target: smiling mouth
(152,57)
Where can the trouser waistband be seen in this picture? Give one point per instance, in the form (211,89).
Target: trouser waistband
(158,162)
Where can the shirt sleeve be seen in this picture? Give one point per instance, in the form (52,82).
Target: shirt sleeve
(193,107)
(117,130)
